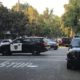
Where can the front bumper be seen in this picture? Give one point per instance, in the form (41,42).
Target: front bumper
(74,62)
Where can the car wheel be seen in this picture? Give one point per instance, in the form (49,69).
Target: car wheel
(55,48)
(5,53)
(9,53)
(70,65)
(35,53)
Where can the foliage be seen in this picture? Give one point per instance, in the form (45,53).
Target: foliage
(23,19)
(71,17)
(12,22)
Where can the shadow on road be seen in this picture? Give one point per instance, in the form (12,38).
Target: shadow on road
(26,54)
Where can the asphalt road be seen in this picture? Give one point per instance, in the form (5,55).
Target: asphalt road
(50,65)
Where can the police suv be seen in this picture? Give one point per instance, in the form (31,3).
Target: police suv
(34,45)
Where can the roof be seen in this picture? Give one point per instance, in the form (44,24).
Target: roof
(76,38)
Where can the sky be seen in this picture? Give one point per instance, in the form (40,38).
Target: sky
(40,5)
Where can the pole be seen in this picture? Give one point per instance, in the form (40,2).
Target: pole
(18,5)
(0,3)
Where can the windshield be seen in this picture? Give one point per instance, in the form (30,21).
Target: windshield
(75,43)
(48,40)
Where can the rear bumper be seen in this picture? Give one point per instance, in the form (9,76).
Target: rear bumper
(53,46)
(43,50)
(66,45)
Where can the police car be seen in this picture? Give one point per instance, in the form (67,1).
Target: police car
(34,45)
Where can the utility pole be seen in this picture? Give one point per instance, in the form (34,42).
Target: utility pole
(18,9)
(0,3)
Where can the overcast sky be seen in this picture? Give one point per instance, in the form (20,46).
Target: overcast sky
(40,5)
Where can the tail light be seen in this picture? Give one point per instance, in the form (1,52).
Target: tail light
(42,44)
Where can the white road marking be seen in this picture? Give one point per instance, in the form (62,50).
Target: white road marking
(21,65)
(3,64)
(14,64)
(32,66)
(8,64)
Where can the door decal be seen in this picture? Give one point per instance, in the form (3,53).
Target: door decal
(16,47)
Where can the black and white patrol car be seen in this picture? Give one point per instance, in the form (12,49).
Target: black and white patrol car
(34,45)
(73,56)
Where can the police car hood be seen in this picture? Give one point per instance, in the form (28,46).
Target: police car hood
(74,49)
(4,44)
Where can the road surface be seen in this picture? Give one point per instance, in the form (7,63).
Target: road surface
(50,65)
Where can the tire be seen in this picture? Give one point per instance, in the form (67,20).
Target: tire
(55,48)
(9,53)
(35,53)
(70,65)
(5,53)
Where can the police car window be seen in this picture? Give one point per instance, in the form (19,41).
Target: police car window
(46,40)
(27,40)
(17,41)
(5,41)
(36,39)
(75,42)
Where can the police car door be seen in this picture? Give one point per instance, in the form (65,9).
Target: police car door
(16,46)
(27,45)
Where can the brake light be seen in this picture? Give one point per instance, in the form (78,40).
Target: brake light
(42,44)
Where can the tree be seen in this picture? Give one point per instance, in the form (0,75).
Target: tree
(50,23)
(72,15)
(46,24)
(31,14)
(19,22)
(12,22)
(4,20)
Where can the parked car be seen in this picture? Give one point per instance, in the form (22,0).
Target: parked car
(65,41)
(52,43)
(34,45)
(73,56)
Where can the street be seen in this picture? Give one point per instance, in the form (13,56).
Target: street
(50,65)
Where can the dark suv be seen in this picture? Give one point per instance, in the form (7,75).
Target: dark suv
(34,45)
(65,41)
(73,55)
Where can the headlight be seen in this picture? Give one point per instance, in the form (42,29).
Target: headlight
(0,44)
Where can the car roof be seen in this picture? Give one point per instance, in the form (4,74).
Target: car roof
(76,38)
(28,37)
(34,37)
